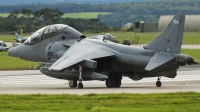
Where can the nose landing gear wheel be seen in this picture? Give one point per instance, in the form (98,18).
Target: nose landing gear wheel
(158,83)
(80,85)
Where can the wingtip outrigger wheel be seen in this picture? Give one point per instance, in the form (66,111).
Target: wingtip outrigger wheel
(80,84)
(158,83)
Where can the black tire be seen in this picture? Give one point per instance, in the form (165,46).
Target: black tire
(80,85)
(6,50)
(114,81)
(117,81)
(72,83)
(158,83)
(109,83)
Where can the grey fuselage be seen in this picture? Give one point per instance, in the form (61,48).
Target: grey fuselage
(127,59)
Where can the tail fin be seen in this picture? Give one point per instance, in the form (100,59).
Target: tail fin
(18,37)
(170,39)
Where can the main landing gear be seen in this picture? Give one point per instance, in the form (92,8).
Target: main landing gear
(114,81)
(80,84)
(158,83)
(73,83)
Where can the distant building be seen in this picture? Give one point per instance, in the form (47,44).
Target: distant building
(141,26)
(128,25)
(192,22)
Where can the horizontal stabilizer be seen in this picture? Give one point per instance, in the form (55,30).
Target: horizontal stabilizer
(157,60)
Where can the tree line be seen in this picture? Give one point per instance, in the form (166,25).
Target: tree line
(121,12)
(37,15)
(144,8)
(31,21)
(26,19)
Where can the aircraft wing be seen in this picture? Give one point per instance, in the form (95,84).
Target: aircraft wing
(157,60)
(80,52)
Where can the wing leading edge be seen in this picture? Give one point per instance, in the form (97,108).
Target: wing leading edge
(80,52)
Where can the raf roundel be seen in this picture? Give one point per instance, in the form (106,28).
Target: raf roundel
(50,54)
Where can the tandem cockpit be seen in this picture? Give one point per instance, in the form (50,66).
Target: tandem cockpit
(55,36)
(51,30)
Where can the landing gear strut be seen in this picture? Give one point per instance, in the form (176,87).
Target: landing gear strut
(114,81)
(80,84)
(158,83)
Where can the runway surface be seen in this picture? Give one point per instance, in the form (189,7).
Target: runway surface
(184,46)
(33,82)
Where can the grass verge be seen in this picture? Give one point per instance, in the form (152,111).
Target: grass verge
(178,102)
(11,63)
(10,37)
(192,52)
(84,15)
(144,38)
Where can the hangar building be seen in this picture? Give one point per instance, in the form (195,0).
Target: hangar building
(192,22)
(141,26)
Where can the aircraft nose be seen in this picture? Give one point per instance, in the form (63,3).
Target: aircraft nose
(13,51)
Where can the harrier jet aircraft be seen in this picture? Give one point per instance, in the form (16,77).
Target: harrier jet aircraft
(19,38)
(107,36)
(69,55)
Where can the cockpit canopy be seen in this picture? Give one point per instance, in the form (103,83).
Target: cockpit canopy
(48,31)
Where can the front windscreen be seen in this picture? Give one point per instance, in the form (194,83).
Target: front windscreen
(45,32)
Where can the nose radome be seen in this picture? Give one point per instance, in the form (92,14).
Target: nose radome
(13,51)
